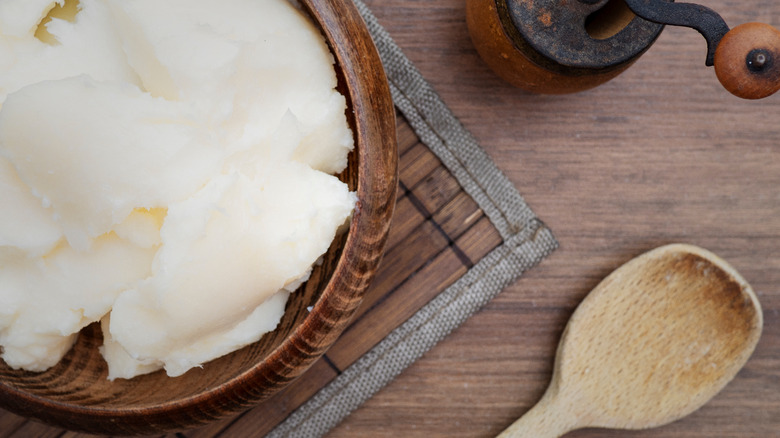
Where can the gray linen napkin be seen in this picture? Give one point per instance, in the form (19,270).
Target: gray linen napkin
(526,241)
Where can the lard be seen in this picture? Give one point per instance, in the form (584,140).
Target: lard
(165,169)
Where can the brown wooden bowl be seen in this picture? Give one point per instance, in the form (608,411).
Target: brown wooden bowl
(75,394)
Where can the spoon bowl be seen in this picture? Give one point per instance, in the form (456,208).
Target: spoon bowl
(653,342)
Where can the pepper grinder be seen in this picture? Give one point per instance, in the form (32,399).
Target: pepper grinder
(567,46)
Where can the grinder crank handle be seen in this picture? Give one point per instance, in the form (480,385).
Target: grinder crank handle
(746,58)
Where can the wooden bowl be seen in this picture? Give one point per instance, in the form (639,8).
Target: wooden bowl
(75,394)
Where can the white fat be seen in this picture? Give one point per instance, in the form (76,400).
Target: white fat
(105,149)
(20,18)
(259,233)
(46,300)
(122,366)
(142,227)
(236,56)
(87,46)
(25,225)
(166,169)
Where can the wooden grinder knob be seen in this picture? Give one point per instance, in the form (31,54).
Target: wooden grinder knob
(747,61)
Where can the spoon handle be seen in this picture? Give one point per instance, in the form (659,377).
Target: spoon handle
(545,420)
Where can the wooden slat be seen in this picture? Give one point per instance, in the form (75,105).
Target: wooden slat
(417,163)
(34,429)
(403,260)
(37,430)
(436,189)
(214,429)
(396,308)
(405,136)
(460,213)
(260,420)
(406,218)
(479,240)
(9,423)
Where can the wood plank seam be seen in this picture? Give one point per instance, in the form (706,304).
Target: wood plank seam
(330,363)
(429,216)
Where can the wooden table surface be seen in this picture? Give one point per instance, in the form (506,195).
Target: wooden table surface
(661,154)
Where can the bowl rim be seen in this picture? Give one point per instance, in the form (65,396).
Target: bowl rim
(368,92)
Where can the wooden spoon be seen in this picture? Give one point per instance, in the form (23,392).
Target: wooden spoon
(653,342)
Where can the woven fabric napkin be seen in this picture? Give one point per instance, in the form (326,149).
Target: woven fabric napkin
(526,241)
